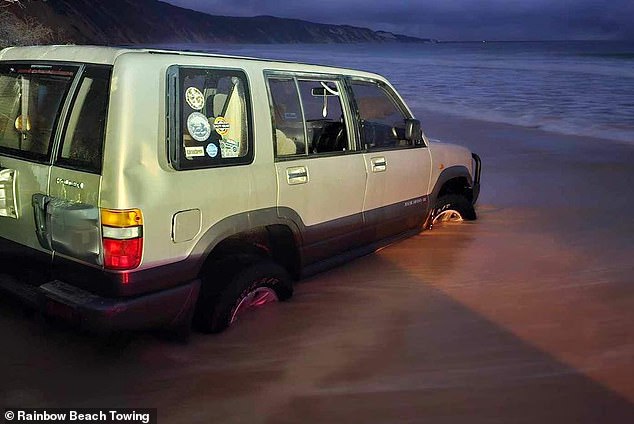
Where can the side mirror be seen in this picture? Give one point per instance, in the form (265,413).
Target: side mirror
(413,132)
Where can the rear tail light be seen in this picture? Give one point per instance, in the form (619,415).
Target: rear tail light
(122,232)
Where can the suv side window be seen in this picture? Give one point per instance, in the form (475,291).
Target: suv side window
(382,121)
(308,116)
(209,118)
(323,113)
(85,129)
(286,113)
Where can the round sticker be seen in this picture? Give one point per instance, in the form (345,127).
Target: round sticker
(212,150)
(198,126)
(195,98)
(221,125)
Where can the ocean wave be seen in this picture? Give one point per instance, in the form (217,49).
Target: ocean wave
(623,133)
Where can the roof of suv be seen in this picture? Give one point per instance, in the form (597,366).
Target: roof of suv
(108,55)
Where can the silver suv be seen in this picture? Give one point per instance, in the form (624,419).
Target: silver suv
(143,188)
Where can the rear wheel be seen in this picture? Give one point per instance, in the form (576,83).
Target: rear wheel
(248,287)
(452,208)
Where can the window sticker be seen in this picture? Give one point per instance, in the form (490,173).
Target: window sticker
(198,126)
(195,98)
(212,150)
(191,152)
(229,148)
(221,125)
(208,106)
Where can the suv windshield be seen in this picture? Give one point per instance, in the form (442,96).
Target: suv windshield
(31,97)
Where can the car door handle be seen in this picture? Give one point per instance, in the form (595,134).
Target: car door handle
(42,224)
(297,175)
(378,164)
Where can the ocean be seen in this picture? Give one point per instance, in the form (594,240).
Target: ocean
(578,88)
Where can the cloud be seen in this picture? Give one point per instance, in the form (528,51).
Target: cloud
(451,19)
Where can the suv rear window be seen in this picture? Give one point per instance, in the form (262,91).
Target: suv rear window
(85,128)
(31,98)
(209,118)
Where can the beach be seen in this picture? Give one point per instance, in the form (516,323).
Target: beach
(524,315)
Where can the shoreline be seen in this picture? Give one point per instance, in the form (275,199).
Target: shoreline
(456,117)
(436,126)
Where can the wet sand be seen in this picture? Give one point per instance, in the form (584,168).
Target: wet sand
(525,315)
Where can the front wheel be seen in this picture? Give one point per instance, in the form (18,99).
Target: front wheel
(250,287)
(452,208)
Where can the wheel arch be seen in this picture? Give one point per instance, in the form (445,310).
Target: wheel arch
(261,233)
(453,180)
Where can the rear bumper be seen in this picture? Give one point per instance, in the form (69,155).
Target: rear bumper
(163,309)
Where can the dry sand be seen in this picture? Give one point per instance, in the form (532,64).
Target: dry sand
(523,316)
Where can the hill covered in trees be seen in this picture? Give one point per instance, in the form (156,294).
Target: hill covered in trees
(116,22)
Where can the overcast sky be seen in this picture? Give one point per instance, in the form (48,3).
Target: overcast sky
(450,19)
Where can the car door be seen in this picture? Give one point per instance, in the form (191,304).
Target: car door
(33,97)
(398,170)
(321,174)
(71,209)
